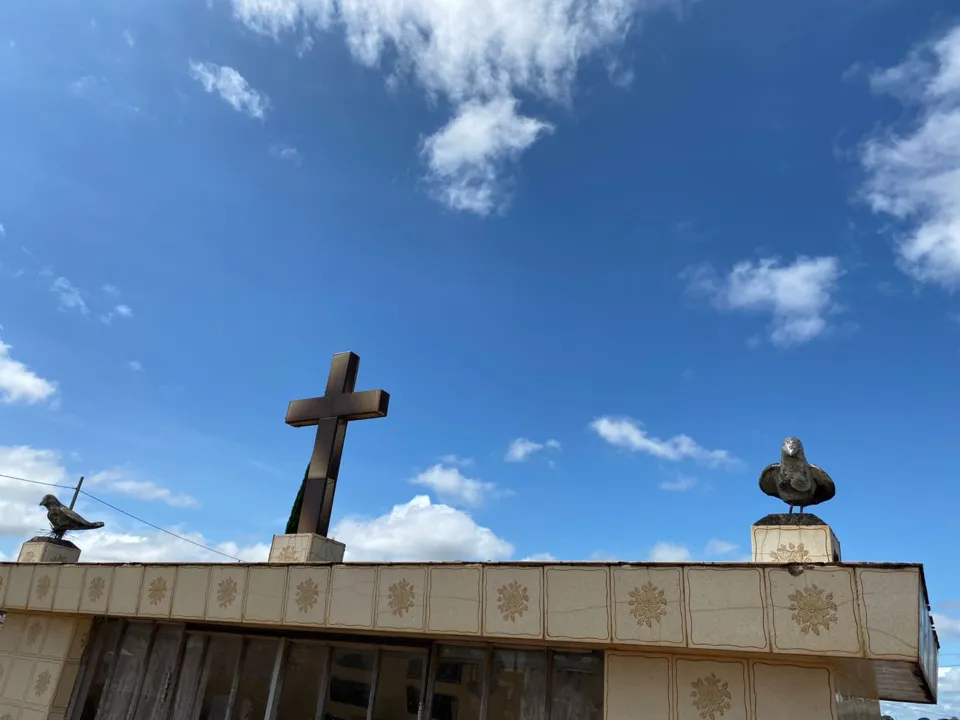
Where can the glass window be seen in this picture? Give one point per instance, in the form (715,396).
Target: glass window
(518,687)
(458,683)
(259,660)
(302,679)
(190,669)
(577,687)
(348,694)
(131,659)
(161,672)
(108,635)
(219,671)
(399,685)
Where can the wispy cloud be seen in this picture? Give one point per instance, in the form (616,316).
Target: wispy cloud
(453,486)
(120,482)
(69,295)
(135,366)
(118,311)
(231,86)
(681,484)
(522,449)
(481,56)
(289,153)
(914,176)
(128,38)
(798,295)
(467,158)
(110,289)
(456,460)
(630,435)
(720,547)
(20,384)
(667,552)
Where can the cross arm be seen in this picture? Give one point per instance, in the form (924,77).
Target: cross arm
(346,406)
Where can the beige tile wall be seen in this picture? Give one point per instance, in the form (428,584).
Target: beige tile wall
(39,658)
(836,610)
(653,687)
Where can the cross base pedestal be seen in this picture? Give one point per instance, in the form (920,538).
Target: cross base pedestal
(42,549)
(305,548)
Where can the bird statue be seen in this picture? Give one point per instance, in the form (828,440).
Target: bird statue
(63,519)
(794,480)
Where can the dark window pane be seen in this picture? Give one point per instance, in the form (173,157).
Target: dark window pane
(190,670)
(161,672)
(518,685)
(108,635)
(458,683)
(349,693)
(399,685)
(220,669)
(132,658)
(302,678)
(259,659)
(577,688)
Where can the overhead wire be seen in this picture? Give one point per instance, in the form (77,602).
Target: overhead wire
(123,512)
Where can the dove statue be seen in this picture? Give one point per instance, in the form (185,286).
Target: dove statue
(63,519)
(794,480)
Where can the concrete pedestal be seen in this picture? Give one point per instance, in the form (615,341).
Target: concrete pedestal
(48,550)
(305,548)
(794,538)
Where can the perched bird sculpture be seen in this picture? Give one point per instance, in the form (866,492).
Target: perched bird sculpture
(63,519)
(794,480)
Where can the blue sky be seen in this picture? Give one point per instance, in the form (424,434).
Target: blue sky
(603,256)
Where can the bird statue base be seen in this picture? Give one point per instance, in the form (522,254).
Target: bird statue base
(47,549)
(790,520)
(791,538)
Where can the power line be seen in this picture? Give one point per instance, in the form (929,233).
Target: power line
(36,482)
(123,512)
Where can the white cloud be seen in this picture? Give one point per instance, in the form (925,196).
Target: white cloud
(798,295)
(109,546)
(69,295)
(466,158)
(3,230)
(419,531)
(947,627)
(282,151)
(674,552)
(539,557)
(120,311)
(681,484)
(720,547)
(231,86)
(914,176)
(666,552)
(110,289)
(456,460)
(21,517)
(480,55)
(20,514)
(522,449)
(128,38)
(135,366)
(948,697)
(120,482)
(18,383)
(629,434)
(451,485)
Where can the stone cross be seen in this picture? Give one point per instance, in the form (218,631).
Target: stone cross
(331,413)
